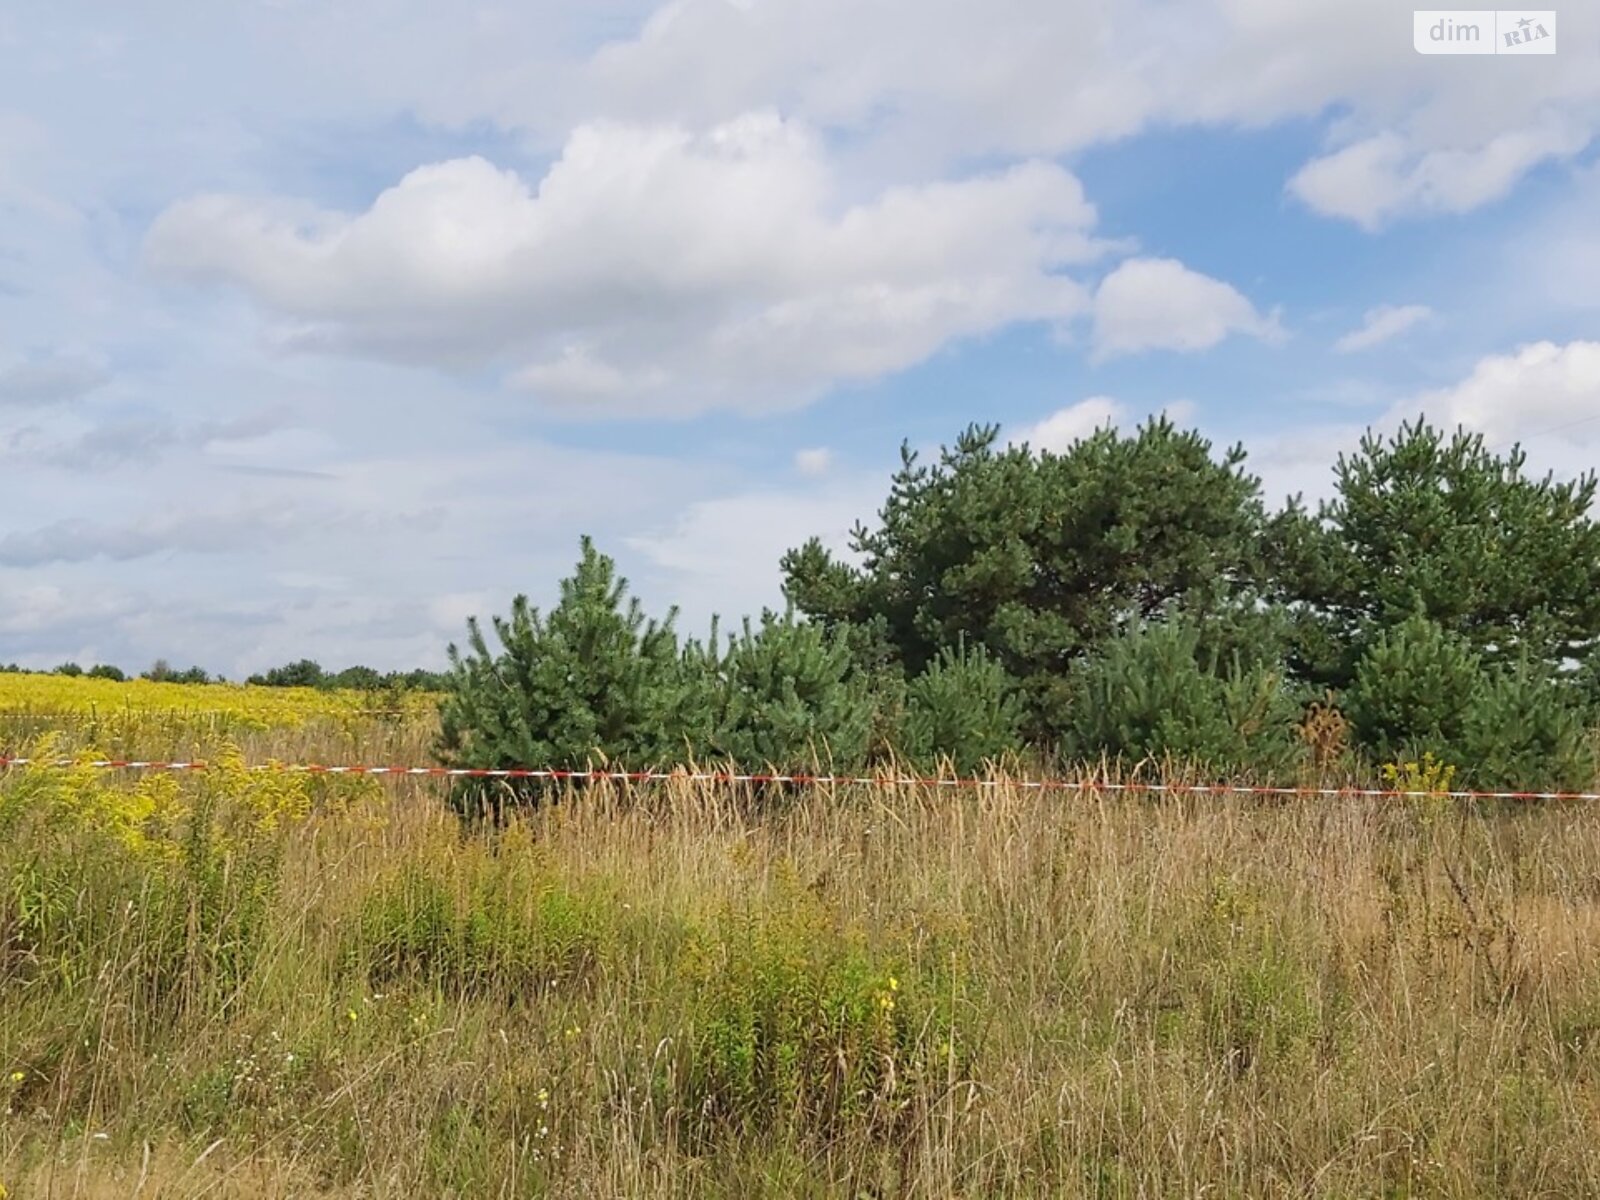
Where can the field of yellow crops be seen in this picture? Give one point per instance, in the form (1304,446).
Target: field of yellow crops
(246,706)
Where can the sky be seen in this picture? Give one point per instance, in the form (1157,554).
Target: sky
(325,324)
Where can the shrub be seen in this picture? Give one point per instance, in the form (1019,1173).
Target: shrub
(1413,690)
(1523,731)
(787,696)
(593,681)
(1156,691)
(965,707)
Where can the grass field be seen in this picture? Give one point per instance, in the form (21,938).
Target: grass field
(246,984)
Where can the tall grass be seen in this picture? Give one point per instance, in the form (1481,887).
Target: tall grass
(680,991)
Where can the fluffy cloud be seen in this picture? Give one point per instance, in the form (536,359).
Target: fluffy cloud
(1374,180)
(1545,396)
(1159,304)
(652,269)
(1536,393)
(1382,323)
(1062,428)
(932,84)
(721,555)
(1072,424)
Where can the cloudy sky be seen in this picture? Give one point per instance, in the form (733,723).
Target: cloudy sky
(325,323)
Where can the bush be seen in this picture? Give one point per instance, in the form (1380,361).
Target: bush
(964,707)
(787,696)
(1413,690)
(1156,691)
(105,671)
(593,682)
(1420,688)
(1523,731)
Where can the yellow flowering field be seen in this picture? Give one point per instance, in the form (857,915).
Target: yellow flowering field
(247,706)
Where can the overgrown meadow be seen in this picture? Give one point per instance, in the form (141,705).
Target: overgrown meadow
(248,983)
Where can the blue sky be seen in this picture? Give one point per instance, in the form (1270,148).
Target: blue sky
(326,324)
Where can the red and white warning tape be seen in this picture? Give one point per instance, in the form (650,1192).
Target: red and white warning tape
(557,774)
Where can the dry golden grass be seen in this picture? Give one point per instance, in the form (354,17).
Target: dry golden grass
(1092,996)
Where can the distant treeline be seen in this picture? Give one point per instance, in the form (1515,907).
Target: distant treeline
(304,673)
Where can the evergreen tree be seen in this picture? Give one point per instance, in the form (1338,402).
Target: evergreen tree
(786,696)
(1524,731)
(1159,690)
(594,682)
(1420,522)
(1413,691)
(963,707)
(1041,558)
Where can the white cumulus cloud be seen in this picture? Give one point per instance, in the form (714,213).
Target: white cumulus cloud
(1540,391)
(1388,175)
(653,269)
(1160,304)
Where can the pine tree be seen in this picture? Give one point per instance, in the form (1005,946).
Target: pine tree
(1041,558)
(1413,691)
(594,682)
(1524,731)
(787,696)
(1159,690)
(1444,526)
(963,707)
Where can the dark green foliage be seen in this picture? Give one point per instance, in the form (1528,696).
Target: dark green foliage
(1583,686)
(1413,691)
(1420,688)
(1158,691)
(305,673)
(1509,563)
(786,696)
(69,668)
(105,671)
(163,672)
(1525,732)
(594,682)
(1040,558)
(357,679)
(963,706)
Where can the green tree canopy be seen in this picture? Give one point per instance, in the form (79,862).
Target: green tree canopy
(593,681)
(1445,527)
(1041,557)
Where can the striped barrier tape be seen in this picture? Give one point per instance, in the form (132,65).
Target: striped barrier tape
(20,714)
(559,775)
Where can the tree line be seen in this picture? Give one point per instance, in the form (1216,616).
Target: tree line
(304,672)
(1129,597)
